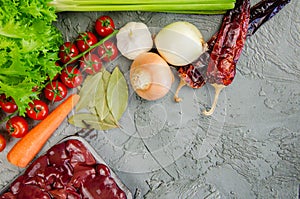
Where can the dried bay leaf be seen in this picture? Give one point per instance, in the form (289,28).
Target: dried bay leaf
(117,94)
(80,119)
(101,102)
(104,98)
(88,91)
(105,77)
(91,121)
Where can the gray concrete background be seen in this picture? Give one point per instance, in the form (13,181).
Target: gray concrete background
(248,149)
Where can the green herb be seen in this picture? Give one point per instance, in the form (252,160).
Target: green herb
(176,6)
(103,100)
(28,48)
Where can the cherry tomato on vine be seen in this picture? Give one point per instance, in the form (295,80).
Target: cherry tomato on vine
(85,41)
(104,26)
(71,77)
(38,110)
(17,126)
(2,143)
(55,91)
(90,63)
(108,51)
(67,51)
(8,104)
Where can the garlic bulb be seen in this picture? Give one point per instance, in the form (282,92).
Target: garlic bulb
(133,39)
(180,43)
(151,76)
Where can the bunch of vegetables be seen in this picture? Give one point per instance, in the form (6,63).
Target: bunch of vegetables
(150,73)
(28,51)
(33,65)
(79,59)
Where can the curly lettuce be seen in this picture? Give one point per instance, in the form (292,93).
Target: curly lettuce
(29,44)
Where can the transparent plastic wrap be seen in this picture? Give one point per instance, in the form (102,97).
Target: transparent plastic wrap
(69,169)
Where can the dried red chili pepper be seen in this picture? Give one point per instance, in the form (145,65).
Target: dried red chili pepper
(262,12)
(230,41)
(259,14)
(194,74)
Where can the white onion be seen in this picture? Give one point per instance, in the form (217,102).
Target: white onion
(180,43)
(134,39)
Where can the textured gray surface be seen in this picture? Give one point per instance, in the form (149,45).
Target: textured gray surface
(248,149)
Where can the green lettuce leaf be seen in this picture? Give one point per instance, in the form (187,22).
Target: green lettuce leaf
(29,44)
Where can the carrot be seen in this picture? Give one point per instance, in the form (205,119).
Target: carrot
(25,149)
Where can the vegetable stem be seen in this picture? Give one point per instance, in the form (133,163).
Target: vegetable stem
(147,7)
(139,2)
(218,88)
(92,47)
(176,6)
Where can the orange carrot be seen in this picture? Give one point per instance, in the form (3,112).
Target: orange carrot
(25,149)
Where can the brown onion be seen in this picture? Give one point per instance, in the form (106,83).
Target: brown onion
(151,76)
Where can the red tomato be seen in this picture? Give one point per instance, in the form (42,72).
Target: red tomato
(71,77)
(108,51)
(104,26)
(90,63)
(17,126)
(67,51)
(8,104)
(85,40)
(38,110)
(2,143)
(55,91)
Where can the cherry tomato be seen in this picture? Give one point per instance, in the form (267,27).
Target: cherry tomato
(71,77)
(55,91)
(2,143)
(85,40)
(17,126)
(108,51)
(8,104)
(38,110)
(67,51)
(90,63)
(104,26)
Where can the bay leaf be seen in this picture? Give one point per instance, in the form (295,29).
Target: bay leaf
(91,121)
(105,77)
(117,94)
(101,102)
(87,91)
(79,119)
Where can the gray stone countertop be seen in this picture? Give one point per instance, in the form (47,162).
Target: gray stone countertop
(250,147)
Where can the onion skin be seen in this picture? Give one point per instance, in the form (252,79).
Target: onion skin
(151,76)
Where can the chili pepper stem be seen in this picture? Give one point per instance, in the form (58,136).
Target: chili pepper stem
(218,88)
(181,84)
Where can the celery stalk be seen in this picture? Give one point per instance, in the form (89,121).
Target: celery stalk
(139,2)
(146,7)
(173,6)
